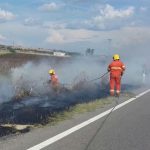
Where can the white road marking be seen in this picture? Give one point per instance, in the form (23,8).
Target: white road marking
(78,127)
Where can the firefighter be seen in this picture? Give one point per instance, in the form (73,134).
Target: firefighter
(53,79)
(116,69)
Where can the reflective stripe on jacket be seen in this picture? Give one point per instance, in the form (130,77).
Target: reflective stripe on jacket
(116,68)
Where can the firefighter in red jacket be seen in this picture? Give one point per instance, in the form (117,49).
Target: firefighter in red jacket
(116,69)
(53,80)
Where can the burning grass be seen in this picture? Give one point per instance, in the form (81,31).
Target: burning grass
(37,109)
(40,109)
(35,103)
(40,112)
(57,116)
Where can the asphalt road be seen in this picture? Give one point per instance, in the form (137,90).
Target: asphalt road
(127,128)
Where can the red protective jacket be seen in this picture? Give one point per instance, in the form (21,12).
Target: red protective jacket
(116,68)
(54,80)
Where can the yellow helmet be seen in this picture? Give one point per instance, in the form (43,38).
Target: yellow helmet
(116,57)
(51,71)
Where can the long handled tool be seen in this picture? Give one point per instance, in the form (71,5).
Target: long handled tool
(98,77)
(67,84)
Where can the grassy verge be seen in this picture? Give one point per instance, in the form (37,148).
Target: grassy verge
(83,108)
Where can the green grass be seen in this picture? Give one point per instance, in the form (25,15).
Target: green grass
(83,108)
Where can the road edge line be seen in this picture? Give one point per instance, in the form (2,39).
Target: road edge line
(83,124)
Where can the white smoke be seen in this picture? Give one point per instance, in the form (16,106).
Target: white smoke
(6,89)
(34,75)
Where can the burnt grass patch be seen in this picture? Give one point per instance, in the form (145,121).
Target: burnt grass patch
(38,109)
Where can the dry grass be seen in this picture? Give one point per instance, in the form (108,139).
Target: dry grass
(83,108)
(4,53)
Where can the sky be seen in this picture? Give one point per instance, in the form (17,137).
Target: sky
(108,26)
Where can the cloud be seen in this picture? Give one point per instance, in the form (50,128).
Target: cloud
(32,22)
(143,9)
(132,36)
(125,41)
(2,38)
(109,12)
(55,37)
(107,18)
(110,17)
(49,7)
(70,36)
(54,25)
(133,41)
(6,15)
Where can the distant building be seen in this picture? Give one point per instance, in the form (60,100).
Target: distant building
(61,54)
